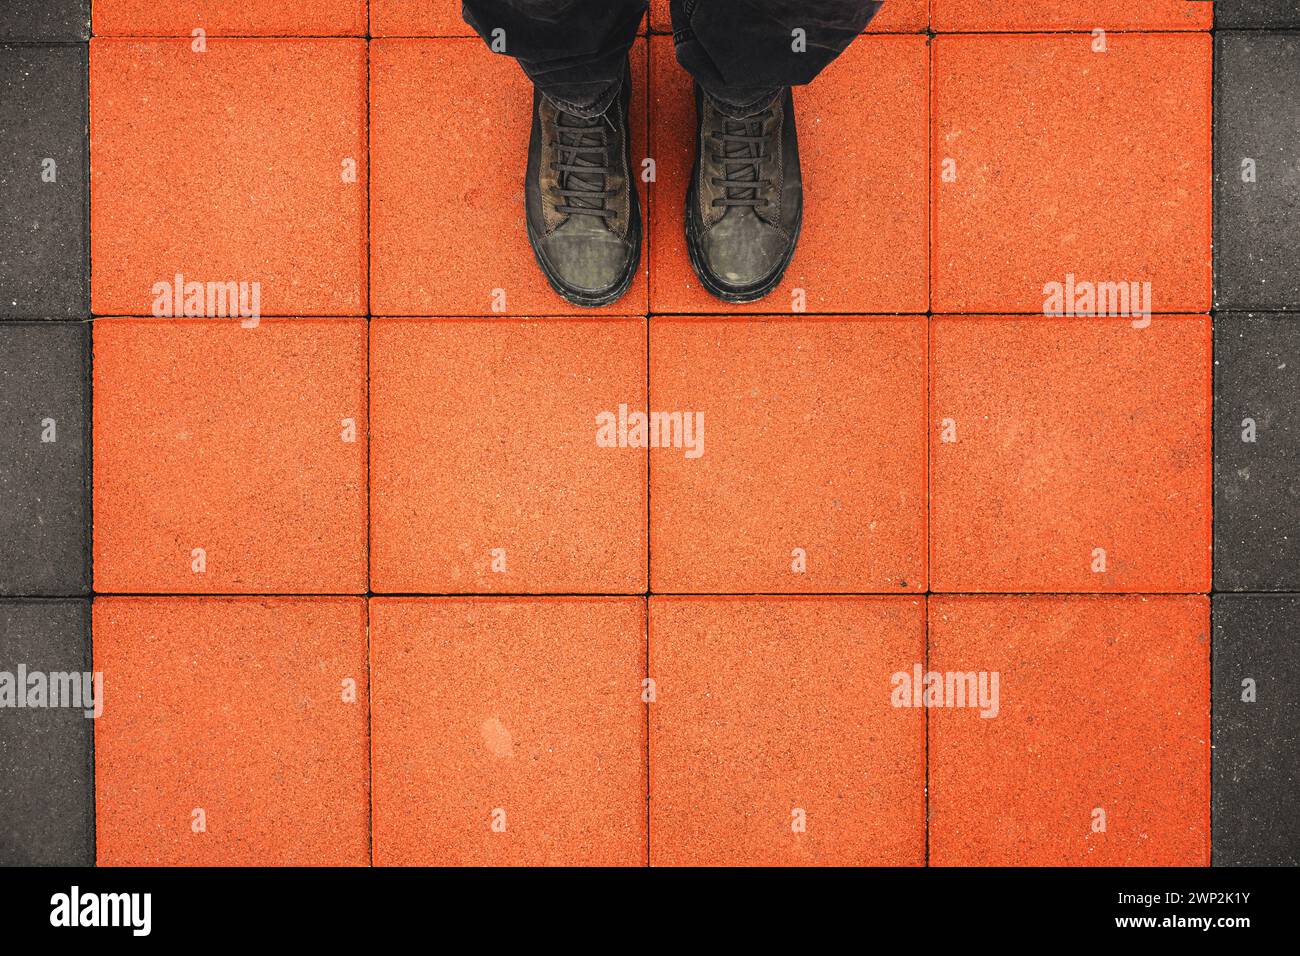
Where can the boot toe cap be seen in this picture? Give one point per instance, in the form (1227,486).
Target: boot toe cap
(587,265)
(743,258)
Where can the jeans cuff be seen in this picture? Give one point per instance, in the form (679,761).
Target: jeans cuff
(739,104)
(588,106)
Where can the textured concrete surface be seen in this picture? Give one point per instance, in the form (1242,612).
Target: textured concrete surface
(1072,437)
(1086,15)
(228,736)
(44,458)
(416,18)
(1256,453)
(448,237)
(1256,172)
(45,20)
(813,441)
(242,451)
(1046,177)
(47,806)
(1103,722)
(509,731)
(254,190)
(419,18)
(230,17)
(1256,730)
(1257,13)
(43,187)
(862,247)
(773,740)
(486,472)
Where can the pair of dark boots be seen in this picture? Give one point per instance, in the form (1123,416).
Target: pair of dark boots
(744,204)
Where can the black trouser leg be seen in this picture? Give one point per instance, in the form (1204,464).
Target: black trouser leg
(744,52)
(573,50)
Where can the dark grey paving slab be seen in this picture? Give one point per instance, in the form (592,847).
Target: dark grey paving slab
(1257,170)
(1257,13)
(1256,761)
(44,269)
(44,458)
(1257,452)
(44,19)
(47,806)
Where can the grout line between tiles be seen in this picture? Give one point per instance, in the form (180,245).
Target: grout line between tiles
(595,595)
(646,706)
(598,595)
(925,711)
(931,131)
(926,31)
(668,316)
(88,265)
(1209,768)
(370,682)
(1214,296)
(647,259)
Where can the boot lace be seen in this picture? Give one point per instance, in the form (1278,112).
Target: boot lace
(583,165)
(743,147)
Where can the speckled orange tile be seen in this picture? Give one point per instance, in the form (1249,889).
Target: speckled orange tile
(1098,749)
(1070,454)
(230,460)
(448,235)
(420,18)
(1052,160)
(773,739)
(863,242)
(896,16)
(487,474)
(978,15)
(509,731)
(243,163)
(417,18)
(234,732)
(811,475)
(326,18)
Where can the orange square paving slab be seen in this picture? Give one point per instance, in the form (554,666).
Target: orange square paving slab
(420,18)
(979,15)
(773,740)
(812,472)
(230,460)
(1096,745)
(863,155)
(1054,163)
(245,163)
(234,732)
(326,18)
(448,236)
(487,471)
(509,731)
(1070,454)
(417,18)
(896,16)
